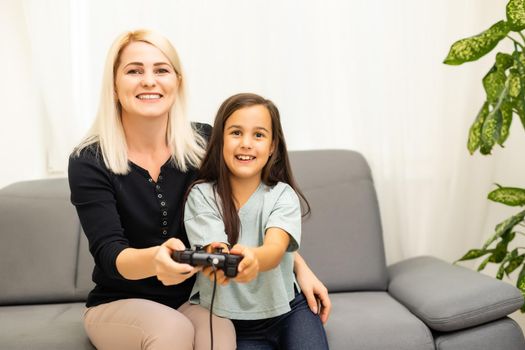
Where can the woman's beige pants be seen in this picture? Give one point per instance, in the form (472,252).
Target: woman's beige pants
(139,324)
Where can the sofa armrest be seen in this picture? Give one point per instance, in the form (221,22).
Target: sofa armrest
(448,297)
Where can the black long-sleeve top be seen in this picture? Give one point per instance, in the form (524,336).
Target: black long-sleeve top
(132,210)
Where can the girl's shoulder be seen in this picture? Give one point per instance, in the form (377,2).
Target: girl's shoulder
(203,189)
(281,189)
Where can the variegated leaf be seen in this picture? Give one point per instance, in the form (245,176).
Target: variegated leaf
(490,131)
(516,14)
(506,121)
(503,61)
(501,271)
(505,227)
(483,264)
(514,84)
(510,196)
(474,136)
(494,84)
(472,48)
(474,254)
(520,283)
(514,264)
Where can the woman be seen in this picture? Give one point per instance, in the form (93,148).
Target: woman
(128,178)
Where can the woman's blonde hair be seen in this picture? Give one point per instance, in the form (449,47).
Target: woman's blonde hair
(187,146)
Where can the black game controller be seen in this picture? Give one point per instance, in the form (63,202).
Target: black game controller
(198,257)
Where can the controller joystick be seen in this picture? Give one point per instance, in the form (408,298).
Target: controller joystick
(198,257)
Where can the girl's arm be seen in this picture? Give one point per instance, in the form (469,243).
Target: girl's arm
(263,258)
(134,264)
(313,289)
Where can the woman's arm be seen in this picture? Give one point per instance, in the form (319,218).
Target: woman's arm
(134,264)
(313,289)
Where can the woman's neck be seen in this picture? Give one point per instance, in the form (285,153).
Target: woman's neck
(146,142)
(145,135)
(242,190)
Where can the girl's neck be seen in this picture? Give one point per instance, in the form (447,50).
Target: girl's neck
(242,190)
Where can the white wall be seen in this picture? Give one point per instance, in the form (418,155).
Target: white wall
(353,74)
(22,131)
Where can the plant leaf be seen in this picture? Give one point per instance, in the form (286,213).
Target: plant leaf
(505,227)
(506,121)
(472,48)
(490,131)
(474,254)
(516,15)
(519,105)
(514,84)
(514,264)
(474,136)
(511,196)
(520,283)
(494,83)
(500,252)
(483,264)
(504,61)
(511,255)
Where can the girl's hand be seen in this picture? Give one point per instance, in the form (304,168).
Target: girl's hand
(167,270)
(314,290)
(249,265)
(208,271)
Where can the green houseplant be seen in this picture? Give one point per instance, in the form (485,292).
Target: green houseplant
(504,85)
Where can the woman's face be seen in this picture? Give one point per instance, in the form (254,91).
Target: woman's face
(145,82)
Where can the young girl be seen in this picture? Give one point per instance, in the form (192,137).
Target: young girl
(246,198)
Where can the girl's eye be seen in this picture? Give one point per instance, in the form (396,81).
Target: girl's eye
(259,135)
(235,132)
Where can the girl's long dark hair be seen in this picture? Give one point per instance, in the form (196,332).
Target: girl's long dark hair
(214,169)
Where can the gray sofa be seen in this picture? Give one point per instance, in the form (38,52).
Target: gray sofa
(420,303)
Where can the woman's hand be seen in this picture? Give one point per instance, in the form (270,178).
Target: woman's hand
(249,265)
(168,271)
(313,289)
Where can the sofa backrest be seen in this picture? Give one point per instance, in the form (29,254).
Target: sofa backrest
(342,239)
(43,254)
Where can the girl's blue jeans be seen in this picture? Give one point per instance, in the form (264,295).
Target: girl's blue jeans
(298,329)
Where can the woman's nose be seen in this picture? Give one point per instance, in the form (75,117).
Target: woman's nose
(148,79)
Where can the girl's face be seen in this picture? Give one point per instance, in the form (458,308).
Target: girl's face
(248,142)
(145,82)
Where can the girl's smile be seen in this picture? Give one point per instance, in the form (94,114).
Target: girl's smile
(248,143)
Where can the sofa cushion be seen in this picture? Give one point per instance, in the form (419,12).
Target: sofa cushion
(35,327)
(448,297)
(501,334)
(40,243)
(374,320)
(342,239)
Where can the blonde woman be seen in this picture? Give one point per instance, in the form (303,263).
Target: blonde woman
(128,178)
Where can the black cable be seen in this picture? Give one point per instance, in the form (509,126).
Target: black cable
(212,299)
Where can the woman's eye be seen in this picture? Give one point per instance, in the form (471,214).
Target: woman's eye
(134,71)
(162,71)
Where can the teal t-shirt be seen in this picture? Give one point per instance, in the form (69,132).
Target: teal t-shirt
(270,293)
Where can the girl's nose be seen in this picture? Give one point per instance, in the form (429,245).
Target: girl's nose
(246,142)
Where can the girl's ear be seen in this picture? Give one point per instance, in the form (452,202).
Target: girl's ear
(272,148)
